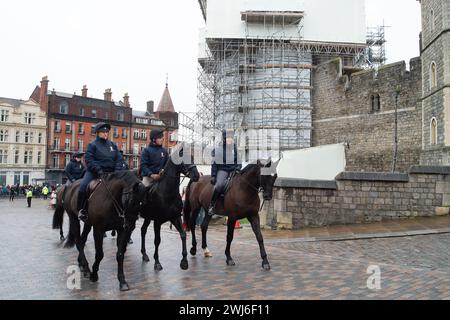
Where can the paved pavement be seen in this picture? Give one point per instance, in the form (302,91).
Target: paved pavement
(33,264)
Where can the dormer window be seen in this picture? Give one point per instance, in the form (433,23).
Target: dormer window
(64,107)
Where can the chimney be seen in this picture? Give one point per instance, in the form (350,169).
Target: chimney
(108,95)
(84,91)
(126,100)
(150,105)
(43,98)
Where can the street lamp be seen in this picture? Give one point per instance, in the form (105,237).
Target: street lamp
(394,161)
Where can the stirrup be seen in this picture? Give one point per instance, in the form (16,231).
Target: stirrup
(211,211)
(82,215)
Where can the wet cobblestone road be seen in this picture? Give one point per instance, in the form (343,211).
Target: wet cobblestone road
(33,265)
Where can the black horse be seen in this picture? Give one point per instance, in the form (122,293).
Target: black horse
(241,201)
(113,204)
(164,204)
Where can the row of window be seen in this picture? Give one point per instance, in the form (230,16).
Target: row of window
(28,118)
(28,136)
(67,158)
(25,180)
(64,109)
(27,157)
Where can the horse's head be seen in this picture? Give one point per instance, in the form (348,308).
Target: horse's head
(135,194)
(184,163)
(268,177)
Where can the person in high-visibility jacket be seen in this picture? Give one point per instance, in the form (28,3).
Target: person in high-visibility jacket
(29,197)
(45,192)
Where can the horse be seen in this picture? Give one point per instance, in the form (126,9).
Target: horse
(59,199)
(240,201)
(164,204)
(114,203)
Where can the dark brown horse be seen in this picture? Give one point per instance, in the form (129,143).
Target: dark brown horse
(241,201)
(164,204)
(113,204)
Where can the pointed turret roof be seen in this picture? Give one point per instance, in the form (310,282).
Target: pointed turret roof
(166,104)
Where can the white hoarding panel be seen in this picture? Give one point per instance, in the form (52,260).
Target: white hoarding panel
(340,21)
(318,163)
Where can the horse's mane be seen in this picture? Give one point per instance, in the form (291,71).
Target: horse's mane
(249,167)
(129,176)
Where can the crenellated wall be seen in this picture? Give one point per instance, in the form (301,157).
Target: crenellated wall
(342,112)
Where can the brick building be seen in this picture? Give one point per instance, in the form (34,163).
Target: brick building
(71,119)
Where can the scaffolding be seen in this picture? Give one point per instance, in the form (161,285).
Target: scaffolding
(264,83)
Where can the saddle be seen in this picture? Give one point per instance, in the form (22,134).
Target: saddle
(228,184)
(92,186)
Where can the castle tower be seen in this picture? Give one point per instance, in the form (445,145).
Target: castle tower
(435,54)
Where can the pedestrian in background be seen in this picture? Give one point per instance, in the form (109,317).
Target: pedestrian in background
(53,199)
(45,192)
(29,197)
(12,193)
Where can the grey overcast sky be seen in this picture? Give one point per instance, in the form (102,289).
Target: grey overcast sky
(129,46)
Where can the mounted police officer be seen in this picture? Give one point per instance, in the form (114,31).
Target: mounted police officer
(225,162)
(75,169)
(123,165)
(102,156)
(154,158)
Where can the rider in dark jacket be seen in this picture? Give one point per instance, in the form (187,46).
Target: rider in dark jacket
(75,168)
(123,165)
(102,156)
(153,158)
(225,161)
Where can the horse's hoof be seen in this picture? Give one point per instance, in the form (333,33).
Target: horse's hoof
(94,277)
(130,241)
(207,253)
(193,251)
(145,258)
(158,267)
(62,238)
(184,265)
(231,263)
(124,286)
(266,266)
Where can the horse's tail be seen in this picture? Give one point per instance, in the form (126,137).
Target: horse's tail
(70,242)
(58,215)
(187,206)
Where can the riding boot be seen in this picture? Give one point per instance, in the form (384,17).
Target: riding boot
(81,206)
(215,196)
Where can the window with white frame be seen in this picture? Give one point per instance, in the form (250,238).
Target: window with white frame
(67,144)
(3,135)
(16,156)
(3,156)
(143,135)
(28,157)
(39,157)
(4,115)
(136,134)
(40,137)
(64,107)
(136,148)
(27,137)
(66,159)
(56,144)
(55,162)
(135,162)
(80,145)
(143,147)
(17,136)
(29,117)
